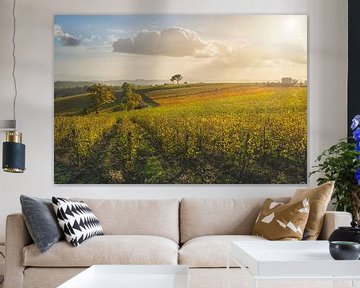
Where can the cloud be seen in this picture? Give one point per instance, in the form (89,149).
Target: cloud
(66,38)
(296,54)
(287,51)
(175,42)
(180,42)
(116,31)
(257,55)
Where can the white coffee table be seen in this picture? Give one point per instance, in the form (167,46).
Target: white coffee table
(292,260)
(131,276)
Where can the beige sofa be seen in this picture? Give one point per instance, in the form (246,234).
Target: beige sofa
(194,232)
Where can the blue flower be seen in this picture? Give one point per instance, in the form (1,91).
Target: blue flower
(357,176)
(355,126)
(355,122)
(356,134)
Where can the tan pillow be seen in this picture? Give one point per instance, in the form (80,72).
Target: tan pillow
(319,198)
(279,221)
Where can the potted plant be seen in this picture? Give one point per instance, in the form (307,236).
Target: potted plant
(341,163)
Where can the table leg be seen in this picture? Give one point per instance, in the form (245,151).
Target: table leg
(255,283)
(355,283)
(337,283)
(228,270)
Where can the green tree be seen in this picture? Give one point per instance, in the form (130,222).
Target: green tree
(339,163)
(131,99)
(100,94)
(127,87)
(177,78)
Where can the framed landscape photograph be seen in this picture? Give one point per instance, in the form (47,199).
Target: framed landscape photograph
(180,99)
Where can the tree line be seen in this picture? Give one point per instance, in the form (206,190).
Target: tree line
(62,92)
(102,94)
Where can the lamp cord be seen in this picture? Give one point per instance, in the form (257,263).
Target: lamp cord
(14,60)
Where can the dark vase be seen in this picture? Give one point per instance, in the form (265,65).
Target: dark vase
(351,233)
(344,250)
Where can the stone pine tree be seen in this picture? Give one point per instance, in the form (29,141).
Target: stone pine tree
(100,94)
(177,78)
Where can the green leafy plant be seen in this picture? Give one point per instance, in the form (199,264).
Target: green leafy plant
(341,163)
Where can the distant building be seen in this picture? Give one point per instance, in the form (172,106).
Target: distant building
(283,82)
(286,81)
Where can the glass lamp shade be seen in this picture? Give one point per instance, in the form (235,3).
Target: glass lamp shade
(13,153)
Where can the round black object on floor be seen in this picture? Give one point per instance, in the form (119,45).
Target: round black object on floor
(344,250)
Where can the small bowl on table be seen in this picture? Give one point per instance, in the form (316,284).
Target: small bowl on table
(344,250)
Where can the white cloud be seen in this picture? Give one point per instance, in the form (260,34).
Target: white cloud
(116,31)
(288,51)
(252,55)
(92,38)
(66,38)
(180,42)
(175,42)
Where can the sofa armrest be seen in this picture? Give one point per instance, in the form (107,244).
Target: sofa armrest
(17,237)
(333,220)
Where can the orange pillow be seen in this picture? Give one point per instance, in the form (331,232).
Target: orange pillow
(319,198)
(279,221)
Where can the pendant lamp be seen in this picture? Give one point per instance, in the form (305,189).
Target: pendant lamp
(13,160)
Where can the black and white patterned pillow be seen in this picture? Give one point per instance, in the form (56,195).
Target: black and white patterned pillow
(77,220)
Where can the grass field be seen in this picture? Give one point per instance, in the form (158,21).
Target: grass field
(195,133)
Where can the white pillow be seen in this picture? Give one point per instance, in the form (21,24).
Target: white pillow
(76,220)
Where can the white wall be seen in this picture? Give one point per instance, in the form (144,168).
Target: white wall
(327,91)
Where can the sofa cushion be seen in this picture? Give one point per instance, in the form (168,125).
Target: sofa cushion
(41,221)
(76,220)
(158,217)
(107,249)
(211,251)
(35,277)
(279,221)
(200,217)
(319,198)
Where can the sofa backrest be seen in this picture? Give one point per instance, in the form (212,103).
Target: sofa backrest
(159,217)
(200,217)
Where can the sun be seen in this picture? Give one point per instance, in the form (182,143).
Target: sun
(292,25)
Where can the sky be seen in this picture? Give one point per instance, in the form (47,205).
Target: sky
(202,48)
